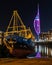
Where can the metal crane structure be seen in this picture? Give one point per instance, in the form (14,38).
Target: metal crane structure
(16,26)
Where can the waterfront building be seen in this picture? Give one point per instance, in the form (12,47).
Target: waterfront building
(1,37)
(44,45)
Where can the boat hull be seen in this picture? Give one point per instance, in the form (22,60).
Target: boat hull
(20,46)
(21,53)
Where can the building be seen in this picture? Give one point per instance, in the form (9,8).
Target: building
(1,37)
(44,45)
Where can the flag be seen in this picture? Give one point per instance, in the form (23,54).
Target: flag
(37,23)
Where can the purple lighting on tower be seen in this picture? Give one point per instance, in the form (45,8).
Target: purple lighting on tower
(37,23)
(38,55)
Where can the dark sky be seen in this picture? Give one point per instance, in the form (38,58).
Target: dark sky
(27,10)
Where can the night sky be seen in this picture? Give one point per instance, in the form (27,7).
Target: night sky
(27,10)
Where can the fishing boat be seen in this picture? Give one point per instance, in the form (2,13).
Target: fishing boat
(17,39)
